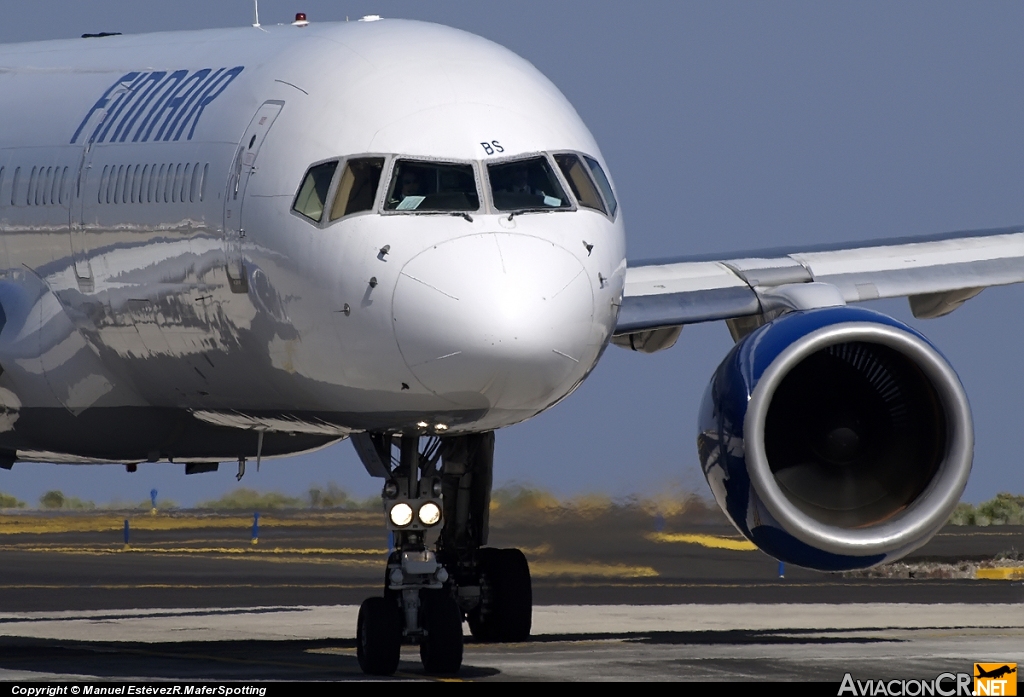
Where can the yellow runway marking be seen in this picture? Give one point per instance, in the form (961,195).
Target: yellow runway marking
(684,584)
(225,541)
(715,541)
(333,651)
(1001,574)
(36,524)
(547,569)
(182,586)
(149,549)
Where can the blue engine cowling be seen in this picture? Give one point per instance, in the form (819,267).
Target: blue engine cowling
(836,439)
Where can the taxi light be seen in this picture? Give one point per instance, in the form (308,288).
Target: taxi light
(429,513)
(401,514)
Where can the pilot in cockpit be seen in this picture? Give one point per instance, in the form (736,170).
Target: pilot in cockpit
(409,185)
(519,181)
(514,179)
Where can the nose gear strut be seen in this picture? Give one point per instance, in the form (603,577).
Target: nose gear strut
(436,505)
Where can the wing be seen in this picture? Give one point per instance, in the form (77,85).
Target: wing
(937,274)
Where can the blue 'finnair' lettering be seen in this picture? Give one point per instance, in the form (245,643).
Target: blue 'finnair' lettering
(158,105)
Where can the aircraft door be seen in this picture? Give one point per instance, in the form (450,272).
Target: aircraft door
(77,213)
(243,167)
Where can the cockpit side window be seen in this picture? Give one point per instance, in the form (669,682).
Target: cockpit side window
(526,185)
(418,186)
(357,190)
(579,181)
(313,194)
(602,181)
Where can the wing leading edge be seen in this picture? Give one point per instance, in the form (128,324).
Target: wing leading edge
(937,274)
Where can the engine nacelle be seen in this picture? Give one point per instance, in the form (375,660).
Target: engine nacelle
(836,439)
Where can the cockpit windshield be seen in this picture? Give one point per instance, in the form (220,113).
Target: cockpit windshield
(432,186)
(526,185)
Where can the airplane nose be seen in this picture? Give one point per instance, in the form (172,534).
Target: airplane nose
(496,321)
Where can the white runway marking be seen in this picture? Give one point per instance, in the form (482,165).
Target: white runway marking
(339,622)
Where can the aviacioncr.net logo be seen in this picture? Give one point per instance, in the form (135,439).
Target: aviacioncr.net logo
(943,685)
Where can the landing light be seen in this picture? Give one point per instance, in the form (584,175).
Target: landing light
(401,514)
(430,513)
(440,427)
(422,424)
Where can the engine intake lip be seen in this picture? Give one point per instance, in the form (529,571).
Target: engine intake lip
(934,505)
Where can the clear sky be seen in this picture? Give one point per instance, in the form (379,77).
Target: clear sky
(727,126)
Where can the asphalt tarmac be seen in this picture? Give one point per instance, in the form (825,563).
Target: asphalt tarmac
(618,595)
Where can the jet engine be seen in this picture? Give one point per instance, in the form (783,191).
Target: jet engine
(836,438)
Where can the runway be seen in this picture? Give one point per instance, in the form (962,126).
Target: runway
(619,642)
(193,598)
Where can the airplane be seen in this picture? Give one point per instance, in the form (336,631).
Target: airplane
(995,672)
(231,244)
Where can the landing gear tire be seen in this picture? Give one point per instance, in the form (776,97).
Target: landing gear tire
(379,637)
(505,613)
(441,647)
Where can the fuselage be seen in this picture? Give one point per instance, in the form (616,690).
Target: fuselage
(307,231)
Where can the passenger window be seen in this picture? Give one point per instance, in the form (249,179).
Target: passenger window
(158,183)
(176,185)
(526,185)
(31,198)
(14,186)
(357,189)
(602,182)
(313,194)
(119,185)
(202,184)
(104,180)
(579,181)
(47,197)
(62,191)
(193,189)
(432,187)
(131,179)
(161,185)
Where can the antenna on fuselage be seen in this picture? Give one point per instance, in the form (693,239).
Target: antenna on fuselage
(256,8)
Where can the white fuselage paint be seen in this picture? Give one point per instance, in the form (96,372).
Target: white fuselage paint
(143,267)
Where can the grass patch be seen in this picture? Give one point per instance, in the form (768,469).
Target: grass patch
(8,501)
(518,503)
(333,496)
(1004,509)
(243,499)
(55,500)
(330,497)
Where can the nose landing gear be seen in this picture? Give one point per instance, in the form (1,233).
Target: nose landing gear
(439,572)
